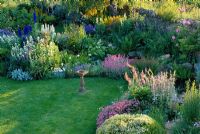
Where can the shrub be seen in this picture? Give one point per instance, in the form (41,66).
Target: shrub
(143,94)
(7,41)
(96,69)
(75,35)
(19,74)
(71,59)
(43,59)
(94,48)
(20,55)
(61,41)
(125,106)
(130,124)
(115,65)
(146,63)
(183,72)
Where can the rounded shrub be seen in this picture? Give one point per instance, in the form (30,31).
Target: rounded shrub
(121,107)
(130,124)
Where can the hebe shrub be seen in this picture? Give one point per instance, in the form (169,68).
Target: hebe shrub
(130,124)
(125,106)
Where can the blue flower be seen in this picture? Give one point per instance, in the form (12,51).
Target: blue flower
(34,17)
(19,32)
(89,29)
(27,30)
(6,32)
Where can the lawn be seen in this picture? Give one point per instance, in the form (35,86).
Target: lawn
(54,106)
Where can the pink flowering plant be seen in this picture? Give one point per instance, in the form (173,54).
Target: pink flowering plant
(162,85)
(121,107)
(185,41)
(115,65)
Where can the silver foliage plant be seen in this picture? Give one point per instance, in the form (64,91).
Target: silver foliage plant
(19,74)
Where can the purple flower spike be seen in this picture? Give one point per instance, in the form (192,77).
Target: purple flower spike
(19,32)
(34,17)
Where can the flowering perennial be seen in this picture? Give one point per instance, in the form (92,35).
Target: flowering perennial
(115,65)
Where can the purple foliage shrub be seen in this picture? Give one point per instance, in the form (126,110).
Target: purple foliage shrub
(121,107)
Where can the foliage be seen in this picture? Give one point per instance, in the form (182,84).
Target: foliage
(61,41)
(115,65)
(167,10)
(126,124)
(183,72)
(143,94)
(94,48)
(19,74)
(96,69)
(121,107)
(191,105)
(20,55)
(162,85)
(7,41)
(190,111)
(43,59)
(71,59)
(15,18)
(75,35)
(197,72)
(146,63)
(186,42)
(158,115)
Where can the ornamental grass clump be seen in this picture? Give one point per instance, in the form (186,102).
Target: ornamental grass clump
(190,112)
(191,105)
(121,107)
(162,85)
(115,65)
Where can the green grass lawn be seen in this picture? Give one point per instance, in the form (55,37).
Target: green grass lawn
(54,106)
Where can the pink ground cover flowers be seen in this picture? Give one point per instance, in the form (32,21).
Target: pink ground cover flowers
(115,65)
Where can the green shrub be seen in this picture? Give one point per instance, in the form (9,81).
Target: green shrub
(44,58)
(130,124)
(4,53)
(182,72)
(147,63)
(143,94)
(3,68)
(15,18)
(71,59)
(75,35)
